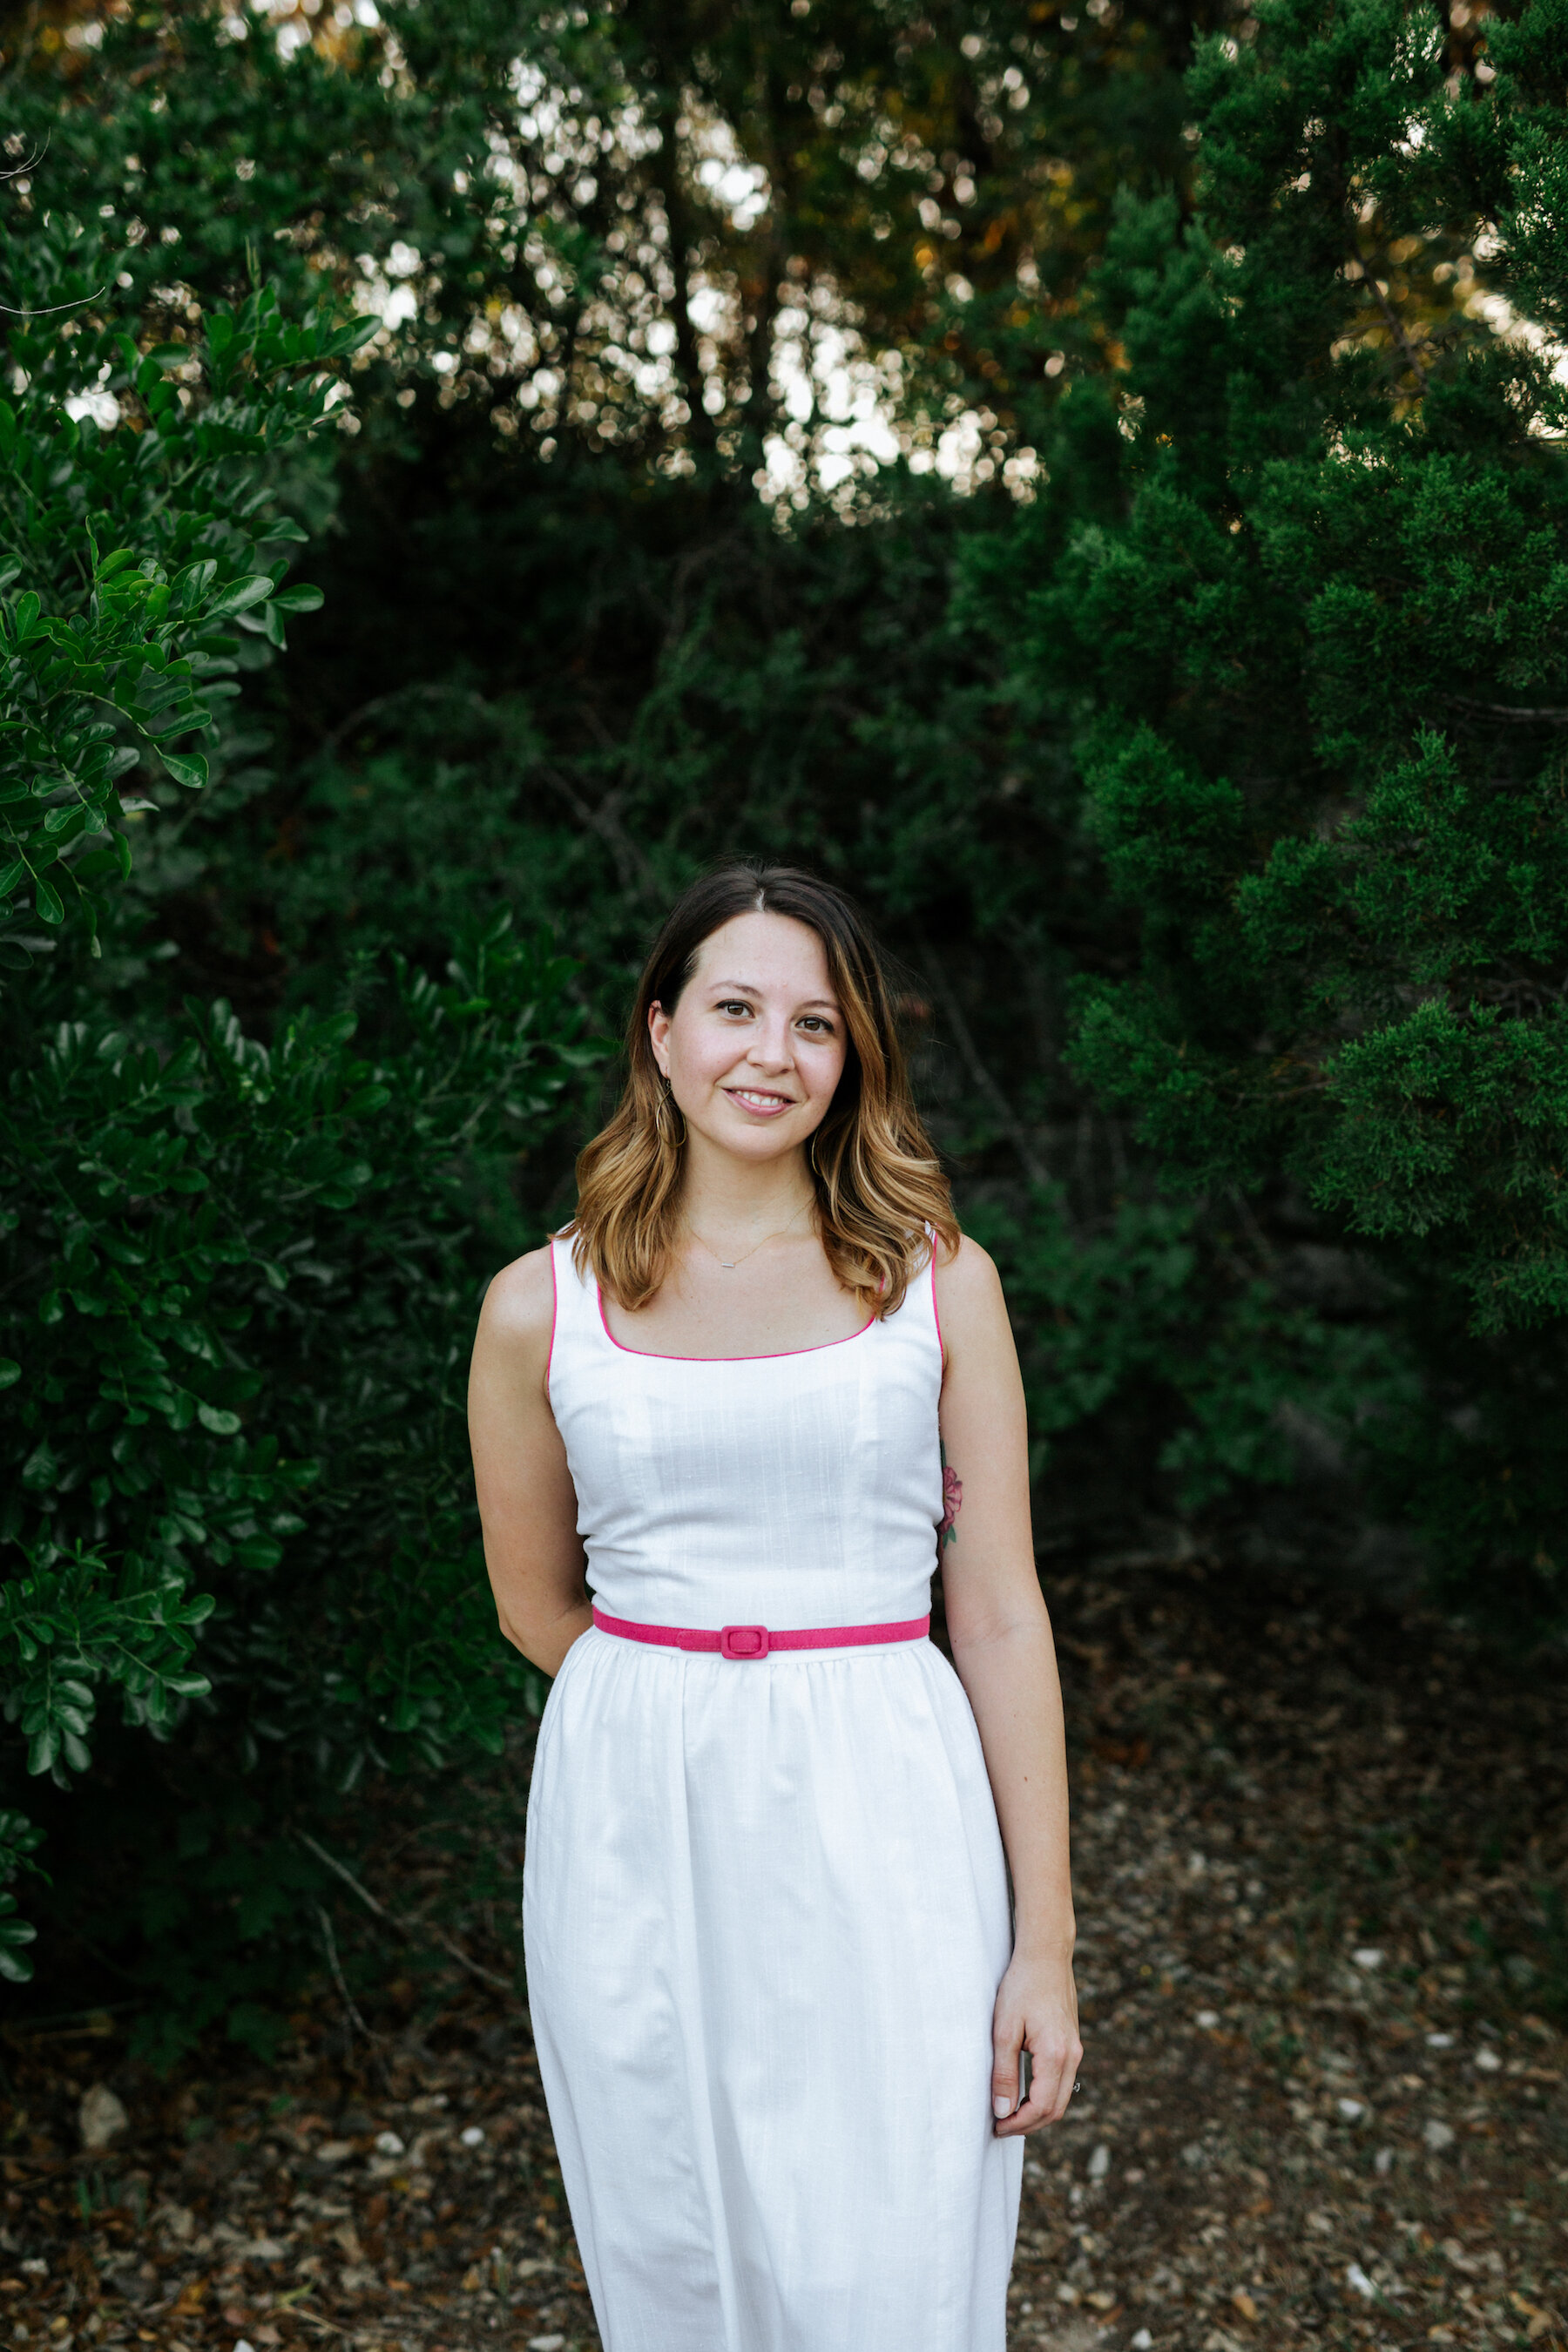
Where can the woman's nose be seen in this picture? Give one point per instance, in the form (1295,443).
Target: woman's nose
(770,1046)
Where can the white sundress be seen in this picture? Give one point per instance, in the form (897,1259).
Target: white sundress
(764,1901)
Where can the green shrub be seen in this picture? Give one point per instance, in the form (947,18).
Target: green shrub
(238,1272)
(1317,673)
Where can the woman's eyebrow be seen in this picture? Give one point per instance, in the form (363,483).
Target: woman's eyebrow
(750,988)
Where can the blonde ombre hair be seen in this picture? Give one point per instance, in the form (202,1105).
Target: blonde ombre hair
(880,1190)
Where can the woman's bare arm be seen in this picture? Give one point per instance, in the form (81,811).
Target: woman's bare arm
(1003,1649)
(527,1504)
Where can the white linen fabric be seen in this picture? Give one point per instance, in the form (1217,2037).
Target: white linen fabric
(764,1900)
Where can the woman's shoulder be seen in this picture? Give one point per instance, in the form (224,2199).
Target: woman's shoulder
(968,1287)
(518,1310)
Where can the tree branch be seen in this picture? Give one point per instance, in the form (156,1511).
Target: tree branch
(1012,1125)
(637,876)
(1394,322)
(680,226)
(411,1929)
(331,1942)
(1522,715)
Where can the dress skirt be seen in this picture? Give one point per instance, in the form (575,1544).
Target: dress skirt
(765,1912)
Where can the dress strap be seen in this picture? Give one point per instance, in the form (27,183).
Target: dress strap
(924,1286)
(576,1313)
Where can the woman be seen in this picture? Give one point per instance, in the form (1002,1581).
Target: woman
(779,2002)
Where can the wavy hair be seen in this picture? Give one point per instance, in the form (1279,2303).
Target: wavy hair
(880,1189)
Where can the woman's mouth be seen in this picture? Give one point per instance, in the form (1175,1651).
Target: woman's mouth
(759,1102)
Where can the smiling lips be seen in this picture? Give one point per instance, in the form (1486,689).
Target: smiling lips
(760,1105)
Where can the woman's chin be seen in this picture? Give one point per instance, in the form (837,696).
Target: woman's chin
(748,1136)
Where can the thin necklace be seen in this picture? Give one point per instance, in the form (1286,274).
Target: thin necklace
(729,1264)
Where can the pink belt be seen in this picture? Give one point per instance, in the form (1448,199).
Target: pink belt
(756,1641)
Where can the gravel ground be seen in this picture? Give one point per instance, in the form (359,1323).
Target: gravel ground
(1320,1853)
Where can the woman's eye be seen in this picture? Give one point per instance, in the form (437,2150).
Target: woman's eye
(734,1006)
(815,1022)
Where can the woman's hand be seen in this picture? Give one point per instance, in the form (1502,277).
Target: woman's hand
(1037,2009)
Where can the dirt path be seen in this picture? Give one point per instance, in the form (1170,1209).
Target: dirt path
(1321,1856)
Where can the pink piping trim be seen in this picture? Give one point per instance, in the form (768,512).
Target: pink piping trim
(935,1309)
(555,1311)
(821,1349)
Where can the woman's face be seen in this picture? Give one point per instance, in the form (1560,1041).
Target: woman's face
(755,1044)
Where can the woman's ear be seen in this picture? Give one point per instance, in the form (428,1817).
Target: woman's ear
(659,1036)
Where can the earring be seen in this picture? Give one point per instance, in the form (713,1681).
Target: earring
(811,1156)
(666,1110)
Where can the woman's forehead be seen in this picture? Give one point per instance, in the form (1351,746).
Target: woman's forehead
(766,952)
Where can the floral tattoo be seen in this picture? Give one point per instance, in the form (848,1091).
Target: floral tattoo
(951,1504)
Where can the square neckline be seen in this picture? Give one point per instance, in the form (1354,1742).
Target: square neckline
(772,1356)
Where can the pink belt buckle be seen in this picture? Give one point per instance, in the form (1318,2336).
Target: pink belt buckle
(744,1641)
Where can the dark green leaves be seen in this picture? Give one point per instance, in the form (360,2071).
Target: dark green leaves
(14,1934)
(233,1271)
(239,596)
(103,662)
(187,767)
(1316,669)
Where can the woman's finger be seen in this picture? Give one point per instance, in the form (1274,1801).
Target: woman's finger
(1006,2046)
(1070,2060)
(1066,2079)
(1056,2072)
(1026,2118)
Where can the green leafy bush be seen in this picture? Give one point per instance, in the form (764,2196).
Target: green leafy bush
(1206,778)
(1316,672)
(1221,1373)
(240,1279)
(131,554)
(238,1271)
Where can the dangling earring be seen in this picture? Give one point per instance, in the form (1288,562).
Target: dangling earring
(811,1156)
(666,1110)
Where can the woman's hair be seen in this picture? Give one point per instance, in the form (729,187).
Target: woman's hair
(879,1186)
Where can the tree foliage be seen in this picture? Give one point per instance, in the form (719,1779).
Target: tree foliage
(1092,483)
(139,549)
(1318,674)
(237,1271)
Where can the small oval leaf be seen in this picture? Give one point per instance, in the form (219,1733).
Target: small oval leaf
(239,595)
(187,767)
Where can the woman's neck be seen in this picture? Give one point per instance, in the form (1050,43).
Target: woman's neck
(722,1194)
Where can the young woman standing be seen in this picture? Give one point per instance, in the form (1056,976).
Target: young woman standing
(779,2001)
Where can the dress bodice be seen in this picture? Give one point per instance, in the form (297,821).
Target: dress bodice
(793,1490)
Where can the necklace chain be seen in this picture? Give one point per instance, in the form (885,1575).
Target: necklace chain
(729,1264)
